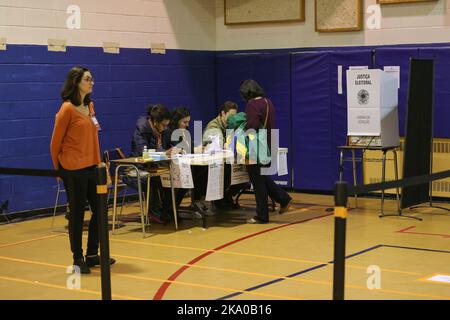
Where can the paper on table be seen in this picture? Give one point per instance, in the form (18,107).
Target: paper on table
(214,189)
(182,175)
(239,174)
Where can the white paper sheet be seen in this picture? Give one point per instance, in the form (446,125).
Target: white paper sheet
(181,174)
(339,71)
(394,71)
(282,164)
(214,189)
(440,278)
(239,174)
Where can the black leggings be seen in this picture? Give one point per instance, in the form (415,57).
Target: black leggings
(264,186)
(80,186)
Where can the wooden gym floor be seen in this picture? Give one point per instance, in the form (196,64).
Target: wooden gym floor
(286,259)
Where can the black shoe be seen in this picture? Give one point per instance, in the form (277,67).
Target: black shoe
(286,207)
(80,263)
(95,261)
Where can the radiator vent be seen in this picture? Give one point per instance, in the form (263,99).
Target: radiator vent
(441,186)
(438,146)
(438,186)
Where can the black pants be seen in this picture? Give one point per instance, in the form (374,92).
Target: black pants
(264,186)
(80,186)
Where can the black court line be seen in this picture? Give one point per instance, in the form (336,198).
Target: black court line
(296,274)
(324,265)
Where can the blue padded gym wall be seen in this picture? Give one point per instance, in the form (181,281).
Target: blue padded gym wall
(398,57)
(272,72)
(31,78)
(441,58)
(311,121)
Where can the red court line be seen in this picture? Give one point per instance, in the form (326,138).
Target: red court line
(161,291)
(423,233)
(403,230)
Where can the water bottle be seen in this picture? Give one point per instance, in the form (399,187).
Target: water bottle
(145,154)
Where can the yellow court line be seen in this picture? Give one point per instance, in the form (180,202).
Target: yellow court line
(230,289)
(154,280)
(328,283)
(29,240)
(48,285)
(256,256)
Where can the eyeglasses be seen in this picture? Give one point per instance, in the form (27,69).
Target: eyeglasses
(88,79)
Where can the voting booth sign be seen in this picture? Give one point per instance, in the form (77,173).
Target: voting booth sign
(372,106)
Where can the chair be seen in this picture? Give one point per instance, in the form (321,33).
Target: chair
(109,155)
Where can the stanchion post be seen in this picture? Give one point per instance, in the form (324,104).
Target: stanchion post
(340,221)
(102,206)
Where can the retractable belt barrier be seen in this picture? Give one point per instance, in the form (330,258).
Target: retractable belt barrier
(342,191)
(101,181)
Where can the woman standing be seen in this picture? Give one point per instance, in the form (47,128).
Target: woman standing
(75,151)
(261,115)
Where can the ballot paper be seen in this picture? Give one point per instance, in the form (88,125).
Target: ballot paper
(214,189)
(239,174)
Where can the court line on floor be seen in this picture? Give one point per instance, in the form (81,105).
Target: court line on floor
(406,230)
(161,291)
(29,240)
(353,266)
(118,274)
(54,286)
(349,286)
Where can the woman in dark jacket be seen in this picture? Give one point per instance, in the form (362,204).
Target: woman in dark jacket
(261,115)
(150,133)
(177,135)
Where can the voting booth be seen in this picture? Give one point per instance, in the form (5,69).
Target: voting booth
(372,108)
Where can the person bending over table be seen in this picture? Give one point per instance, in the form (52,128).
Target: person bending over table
(178,135)
(217,128)
(149,132)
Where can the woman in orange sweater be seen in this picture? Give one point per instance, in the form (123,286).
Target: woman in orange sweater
(75,151)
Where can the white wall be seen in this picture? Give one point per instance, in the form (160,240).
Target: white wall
(180,24)
(199,25)
(400,23)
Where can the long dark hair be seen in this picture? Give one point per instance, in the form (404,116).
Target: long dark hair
(70,90)
(158,112)
(250,89)
(177,114)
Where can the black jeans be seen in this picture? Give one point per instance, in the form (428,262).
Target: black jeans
(264,186)
(80,186)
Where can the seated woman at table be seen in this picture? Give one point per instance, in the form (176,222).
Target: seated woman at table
(177,135)
(149,132)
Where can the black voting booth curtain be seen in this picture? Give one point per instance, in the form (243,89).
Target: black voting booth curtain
(419,131)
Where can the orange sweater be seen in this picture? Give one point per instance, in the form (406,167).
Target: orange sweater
(74,141)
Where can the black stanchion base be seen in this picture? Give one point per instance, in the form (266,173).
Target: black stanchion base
(430,206)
